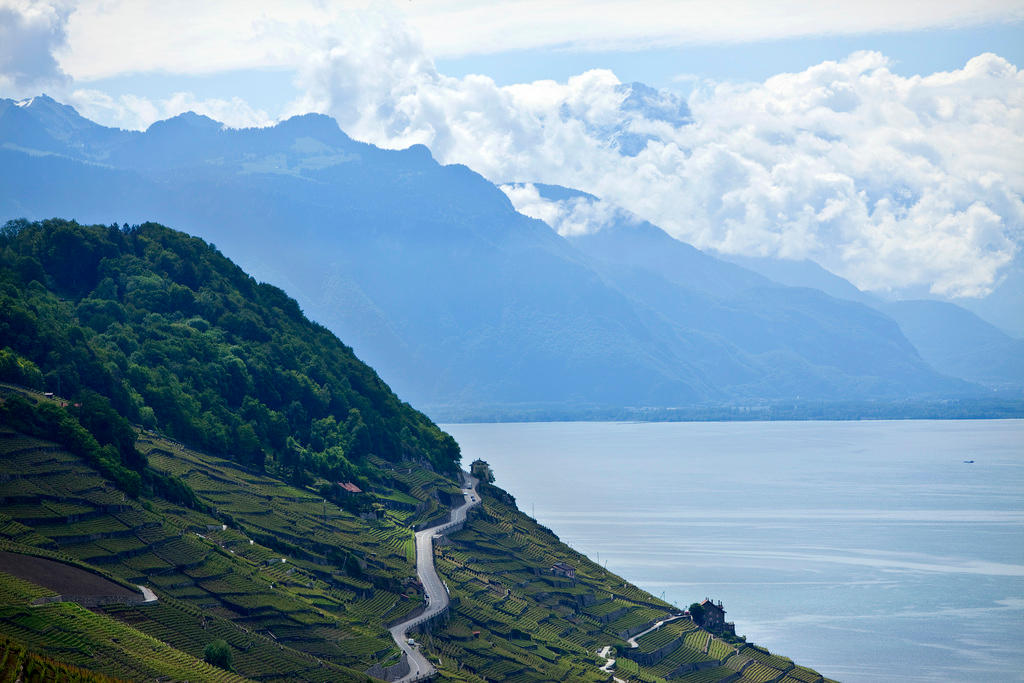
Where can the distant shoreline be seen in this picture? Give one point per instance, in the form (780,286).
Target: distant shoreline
(951,409)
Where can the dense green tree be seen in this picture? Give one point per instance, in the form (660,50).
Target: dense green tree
(697,613)
(18,370)
(218,653)
(159,329)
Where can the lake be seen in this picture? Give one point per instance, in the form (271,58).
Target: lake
(868,550)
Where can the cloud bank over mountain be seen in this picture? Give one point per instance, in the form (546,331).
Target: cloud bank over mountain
(897,183)
(889,181)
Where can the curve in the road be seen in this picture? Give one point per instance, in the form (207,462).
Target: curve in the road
(436,593)
(632,641)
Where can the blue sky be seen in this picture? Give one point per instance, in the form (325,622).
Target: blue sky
(914,52)
(745,56)
(255,50)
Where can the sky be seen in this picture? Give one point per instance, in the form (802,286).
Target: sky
(882,139)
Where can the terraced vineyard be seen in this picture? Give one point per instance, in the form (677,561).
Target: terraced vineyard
(18,663)
(76,637)
(296,584)
(269,585)
(513,619)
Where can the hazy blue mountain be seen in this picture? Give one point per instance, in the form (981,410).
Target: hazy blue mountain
(44,125)
(437,282)
(794,332)
(952,339)
(1004,307)
(643,245)
(804,273)
(426,270)
(958,343)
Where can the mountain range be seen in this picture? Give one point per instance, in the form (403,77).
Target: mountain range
(467,307)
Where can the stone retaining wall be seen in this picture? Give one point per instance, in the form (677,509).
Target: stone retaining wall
(390,673)
(700,666)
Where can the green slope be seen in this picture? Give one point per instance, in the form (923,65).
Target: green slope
(305,617)
(195,444)
(514,620)
(311,618)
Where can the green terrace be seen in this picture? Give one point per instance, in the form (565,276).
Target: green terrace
(18,663)
(513,618)
(76,636)
(508,605)
(296,523)
(302,585)
(659,638)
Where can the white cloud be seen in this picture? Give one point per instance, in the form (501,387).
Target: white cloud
(110,37)
(462,27)
(893,182)
(30,32)
(570,216)
(138,113)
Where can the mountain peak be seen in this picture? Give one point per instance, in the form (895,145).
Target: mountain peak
(42,123)
(41,100)
(319,126)
(188,120)
(47,109)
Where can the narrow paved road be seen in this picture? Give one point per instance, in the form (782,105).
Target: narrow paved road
(632,641)
(437,594)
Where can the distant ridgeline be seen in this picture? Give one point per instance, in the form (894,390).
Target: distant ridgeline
(469,309)
(167,422)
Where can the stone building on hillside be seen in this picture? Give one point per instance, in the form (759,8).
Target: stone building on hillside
(714,617)
(563,569)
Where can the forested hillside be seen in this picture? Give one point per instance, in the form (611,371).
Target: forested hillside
(159,328)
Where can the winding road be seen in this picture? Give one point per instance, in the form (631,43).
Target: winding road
(632,641)
(605,652)
(435,590)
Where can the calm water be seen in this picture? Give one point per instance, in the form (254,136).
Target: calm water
(866,550)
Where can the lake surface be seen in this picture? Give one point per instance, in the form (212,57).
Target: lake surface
(867,550)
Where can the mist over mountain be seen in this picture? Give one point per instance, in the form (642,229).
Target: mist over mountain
(1003,306)
(950,338)
(435,280)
